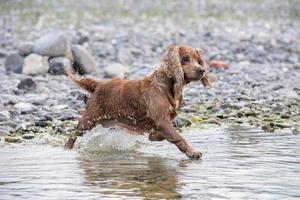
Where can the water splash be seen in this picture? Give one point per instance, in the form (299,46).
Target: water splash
(110,139)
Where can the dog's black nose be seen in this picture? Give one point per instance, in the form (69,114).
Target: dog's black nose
(200,72)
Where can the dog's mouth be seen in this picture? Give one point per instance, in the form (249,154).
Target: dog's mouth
(200,73)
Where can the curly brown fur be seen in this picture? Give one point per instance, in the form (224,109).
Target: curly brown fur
(146,105)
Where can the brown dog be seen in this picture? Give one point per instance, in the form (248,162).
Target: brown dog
(147,105)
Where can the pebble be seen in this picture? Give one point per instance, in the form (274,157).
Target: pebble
(84,61)
(116,70)
(27,84)
(25,48)
(296,131)
(59,65)
(35,64)
(11,139)
(51,44)
(5,130)
(181,122)
(24,108)
(28,136)
(4,116)
(14,63)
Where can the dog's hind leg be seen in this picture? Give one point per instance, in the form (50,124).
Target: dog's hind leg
(91,117)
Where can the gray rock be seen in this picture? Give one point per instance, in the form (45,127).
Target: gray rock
(116,70)
(24,108)
(25,48)
(28,136)
(8,123)
(59,65)
(35,64)
(84,61)
(13,139)
(4,116)
(2,53)
(41,123)
(82,37)
(14,63)
(68,115)
(181,122)
(27,84)
(51,44)
(5,130)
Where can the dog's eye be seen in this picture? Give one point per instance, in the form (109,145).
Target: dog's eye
(186,59)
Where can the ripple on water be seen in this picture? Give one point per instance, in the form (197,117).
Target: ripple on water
(110,163)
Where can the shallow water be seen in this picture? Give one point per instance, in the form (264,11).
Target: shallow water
(237,164)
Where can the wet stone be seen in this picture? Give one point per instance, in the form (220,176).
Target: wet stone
(41,123)
(27,84)
(28,136)
(181,122)
(14,63)
(59,65)
(12,139)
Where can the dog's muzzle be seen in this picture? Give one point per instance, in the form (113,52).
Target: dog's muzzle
(200,72)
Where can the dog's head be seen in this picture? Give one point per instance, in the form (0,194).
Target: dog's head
(184,64)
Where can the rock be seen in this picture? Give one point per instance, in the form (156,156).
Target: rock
(296,131)
(286,115)
(24,108)
(82,37)
(59,65)
(28,136)
(51,44)
(181,122)
(25,48)
(27,84)
(4,116)
(268,127)
(213,121)
(4,131)
(249,113)
(14,63)
(8,123)
(35,64)
(2,53)
(84,61)
(68,115)
(196,119)
(11,139)
(41,123)
(283,125)
(116,70)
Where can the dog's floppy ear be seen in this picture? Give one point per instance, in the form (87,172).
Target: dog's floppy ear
(171,64)
(205,79)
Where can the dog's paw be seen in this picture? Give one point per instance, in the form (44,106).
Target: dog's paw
(193,154)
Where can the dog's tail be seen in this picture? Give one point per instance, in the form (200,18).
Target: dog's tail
(86,83)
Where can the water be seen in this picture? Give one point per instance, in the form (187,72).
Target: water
(237,164)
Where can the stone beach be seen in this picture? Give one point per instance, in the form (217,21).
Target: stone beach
(260,88)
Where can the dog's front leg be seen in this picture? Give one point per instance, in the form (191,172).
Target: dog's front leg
(170,133)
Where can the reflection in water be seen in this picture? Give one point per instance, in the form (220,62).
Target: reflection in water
(131,176)
(236,164)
